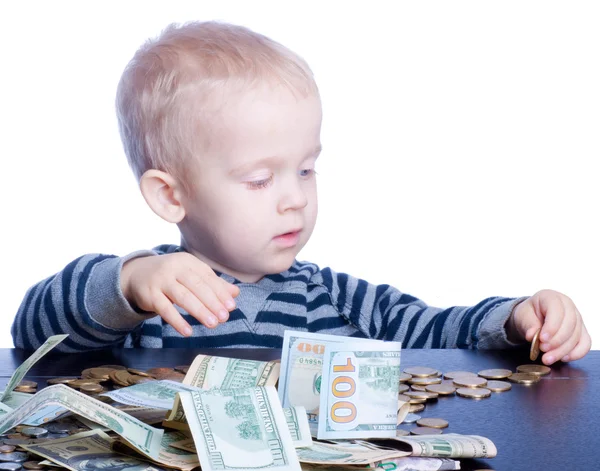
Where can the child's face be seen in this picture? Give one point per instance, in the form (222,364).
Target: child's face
(253,204)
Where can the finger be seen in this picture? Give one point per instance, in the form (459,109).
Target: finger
(205,294)
(232,289)
(563,349)
(165,309)
(554,312)
(570,325)
(582,348)
(226,292)
(184,298)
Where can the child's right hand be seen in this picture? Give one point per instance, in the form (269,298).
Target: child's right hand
(155,283)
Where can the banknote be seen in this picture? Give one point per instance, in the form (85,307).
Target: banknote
(168,455)
(348,454)
(359,394)
(297,422)
(155,394)
(40,416)
(417,463)
(4,409)
(22,370)
(208,371)
(450,445)
(186,444)
(140,435)
(87,451)
(241,429)
(302,368)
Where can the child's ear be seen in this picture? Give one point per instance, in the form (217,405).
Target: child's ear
(163,193)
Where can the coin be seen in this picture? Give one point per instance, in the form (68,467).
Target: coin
(421,395)
(523,378)
(182,369)
(495,373)
(425,431)
(473,393)
(34,432)
(432,423)
(470,382)
(456,374)
(120,377)
(411,418)
(60,427)
(61,380)
(100,373)
(91,388)
(7,448)
(535,346)
(402,388)
(441,389)
(11,466)
(414,408)
(135,379)
(173,376)
(33,465)
(27,384)
(15,457)
(417,387)
(159,373)
(80,382)
(498,386)
(421,371)
(113,367)
(539,370)
(400,432)
(135,371)
(25,389)
(404,377)
(417,400)
(403,398)
(425,381)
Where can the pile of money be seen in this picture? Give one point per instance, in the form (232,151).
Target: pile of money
(329,401)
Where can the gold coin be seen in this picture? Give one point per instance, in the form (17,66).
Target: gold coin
(100,373)
(135,379)
(23,389)
(523,378)
(498,386)
(421,371)
(535,346)
(7,448)
(425,381)
(425,431)
(27,384)
(539,370)
(417,387)
(175,376)
(402,388)
(473,393)
(432,423)
(469,382)
(400,432)
(421,395)
(91,388)
(495,373)
(33,465)
(414,408)
(403,398)
(135,371)
(404,377)
(120,377)
(456,374)
(441,389)
(160,373)
(182,369)
(417,400)
(79,382)
(61,380)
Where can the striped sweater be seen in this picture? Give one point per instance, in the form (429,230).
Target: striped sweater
(85,301)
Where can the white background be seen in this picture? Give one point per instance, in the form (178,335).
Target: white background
(460,141)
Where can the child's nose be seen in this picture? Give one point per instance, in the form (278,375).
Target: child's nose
(293,197)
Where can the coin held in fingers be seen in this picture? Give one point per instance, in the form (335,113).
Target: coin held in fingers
(535,346)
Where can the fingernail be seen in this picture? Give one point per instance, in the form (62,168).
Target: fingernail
(223,315)
(211,321)
(545,347)
(550,359)
(565,358)
(187,331)
(229,304)
(545,337)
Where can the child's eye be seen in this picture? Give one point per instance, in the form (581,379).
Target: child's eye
(307,172)
(260,183)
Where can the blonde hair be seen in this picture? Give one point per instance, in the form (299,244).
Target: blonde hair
(167,86)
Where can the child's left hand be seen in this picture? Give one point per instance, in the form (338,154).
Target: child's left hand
(563,336)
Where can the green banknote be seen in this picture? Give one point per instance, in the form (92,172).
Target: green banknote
(359,395)
(240,429)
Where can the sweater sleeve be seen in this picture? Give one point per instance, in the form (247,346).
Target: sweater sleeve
(384,312)
(83,300)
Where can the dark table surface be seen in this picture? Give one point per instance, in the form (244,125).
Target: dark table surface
(552,425)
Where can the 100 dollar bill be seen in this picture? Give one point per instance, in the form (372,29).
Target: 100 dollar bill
(359,395)
(241,429)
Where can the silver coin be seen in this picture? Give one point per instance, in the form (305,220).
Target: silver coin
(52,436)
(20,441)
(11,466)
(34,432)
(15,457)
(60,427)
(411,418)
